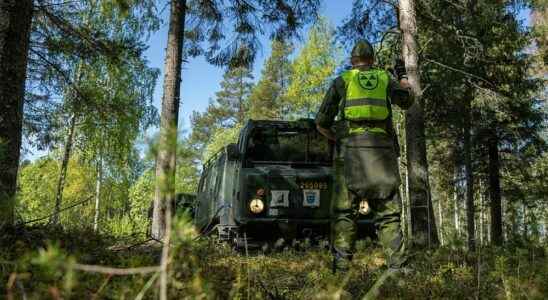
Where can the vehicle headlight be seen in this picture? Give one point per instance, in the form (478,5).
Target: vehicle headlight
(364,207)
(256,206)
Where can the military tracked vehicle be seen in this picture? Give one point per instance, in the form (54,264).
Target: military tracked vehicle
(275,182)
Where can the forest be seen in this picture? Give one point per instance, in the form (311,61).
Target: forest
(96,142)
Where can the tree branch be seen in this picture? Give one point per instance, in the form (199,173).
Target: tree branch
(67,80)
(460,71)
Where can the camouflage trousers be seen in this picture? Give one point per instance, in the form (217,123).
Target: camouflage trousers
(385,205)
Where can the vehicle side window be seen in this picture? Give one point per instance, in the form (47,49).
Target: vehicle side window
(219,175)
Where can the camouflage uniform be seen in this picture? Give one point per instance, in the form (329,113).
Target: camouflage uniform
(365,168)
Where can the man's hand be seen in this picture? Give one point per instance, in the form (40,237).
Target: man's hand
(404,83)
(327,133)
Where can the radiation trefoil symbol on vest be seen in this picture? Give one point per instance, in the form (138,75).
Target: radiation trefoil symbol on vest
(368,80)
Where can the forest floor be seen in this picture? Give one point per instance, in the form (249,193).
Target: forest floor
(47,263)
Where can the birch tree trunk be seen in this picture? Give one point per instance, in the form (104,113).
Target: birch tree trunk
(423,227)
(167,148)
(494,190)
(456,221)
(63,170)
(15,23)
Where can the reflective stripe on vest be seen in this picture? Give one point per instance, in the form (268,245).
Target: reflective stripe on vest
(366,98)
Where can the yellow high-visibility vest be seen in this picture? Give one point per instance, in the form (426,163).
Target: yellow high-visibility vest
(366,95)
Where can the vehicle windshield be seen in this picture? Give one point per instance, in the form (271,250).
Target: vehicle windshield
(288,145)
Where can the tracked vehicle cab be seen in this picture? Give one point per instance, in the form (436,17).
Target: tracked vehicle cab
(275,182)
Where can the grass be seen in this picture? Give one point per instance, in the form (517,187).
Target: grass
(40,262)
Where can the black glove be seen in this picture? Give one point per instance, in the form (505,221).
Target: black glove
(399,69)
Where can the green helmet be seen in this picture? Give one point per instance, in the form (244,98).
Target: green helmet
(363,49)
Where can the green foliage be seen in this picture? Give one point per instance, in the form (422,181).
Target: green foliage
(232,99)
(187,174)
(220,139)
(140,196)
(37,186)
(125,204)
(141,193)
(95,72)
(312,70)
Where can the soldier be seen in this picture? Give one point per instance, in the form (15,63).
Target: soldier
(356,113)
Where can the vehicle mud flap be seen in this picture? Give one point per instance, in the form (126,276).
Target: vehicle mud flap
(370,165)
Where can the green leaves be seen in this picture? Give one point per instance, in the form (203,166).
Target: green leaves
(312,70)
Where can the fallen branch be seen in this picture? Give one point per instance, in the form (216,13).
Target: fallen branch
(133,246)
(115,271)
(61,210)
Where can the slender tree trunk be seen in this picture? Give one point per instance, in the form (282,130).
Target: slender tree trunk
(407,208)
(63,170)
(403,187)
(422,214)
(166,156)
(403,210)
(545,227)
(524,220)
(167,151)
(456,205)
(494,190)
(469,172)
(15,23)
(98,184)
(241,98)
(482,215)
(488,231)
(440,210)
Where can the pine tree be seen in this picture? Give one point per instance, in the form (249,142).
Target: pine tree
(232,99)
(167,149)
(267,98)
(228,110)
(422,214)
